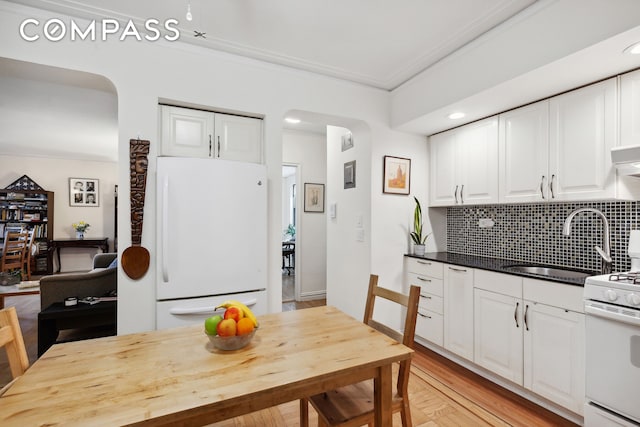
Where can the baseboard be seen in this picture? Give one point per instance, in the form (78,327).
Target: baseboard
(310,296)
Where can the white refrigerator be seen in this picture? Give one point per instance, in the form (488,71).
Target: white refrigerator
(211,238)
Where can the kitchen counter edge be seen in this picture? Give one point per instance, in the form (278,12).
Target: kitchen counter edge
(497,265)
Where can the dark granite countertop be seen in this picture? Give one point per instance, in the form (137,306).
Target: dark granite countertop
(498,265)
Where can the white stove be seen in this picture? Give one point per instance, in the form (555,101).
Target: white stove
(621,289)
(612,350)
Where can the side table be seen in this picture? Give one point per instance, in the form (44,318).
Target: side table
(58,317)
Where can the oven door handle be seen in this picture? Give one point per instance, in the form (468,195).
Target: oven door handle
(598,312)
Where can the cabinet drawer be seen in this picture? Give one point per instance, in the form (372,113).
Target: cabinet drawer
(555,294)
(428,285)
(429,326)
(505,284)
(431,302)
(424,267)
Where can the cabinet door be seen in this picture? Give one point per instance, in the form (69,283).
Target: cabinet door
(477,152)
(458,311)
(238,138)
(498,334)
(582,133)
(554,354)
(186,132)
(524,154)
(630,108)
(442,182)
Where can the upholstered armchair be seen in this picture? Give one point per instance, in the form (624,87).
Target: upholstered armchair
(95,283)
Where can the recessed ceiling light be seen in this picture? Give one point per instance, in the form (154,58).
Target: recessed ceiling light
(292,120)
(634,49)
(454,116)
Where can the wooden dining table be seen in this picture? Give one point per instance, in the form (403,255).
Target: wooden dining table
(175,376)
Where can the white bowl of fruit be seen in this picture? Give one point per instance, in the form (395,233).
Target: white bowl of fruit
(232,330)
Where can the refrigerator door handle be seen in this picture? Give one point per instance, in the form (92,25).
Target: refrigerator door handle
(165,230)
(206,309)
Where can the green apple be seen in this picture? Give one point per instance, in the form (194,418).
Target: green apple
(211,324)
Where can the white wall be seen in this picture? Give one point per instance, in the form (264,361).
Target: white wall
(287,184)
(53,175)
(308,150)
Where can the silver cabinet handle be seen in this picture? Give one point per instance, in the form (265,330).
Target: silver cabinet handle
(424,315)
(218,145)
(462,270)
(455,194)
(526,312)
(210,146)
(553,196)
(515,314)
(423,279)
(542,187)
(424,263)
(461,198)
(425,296)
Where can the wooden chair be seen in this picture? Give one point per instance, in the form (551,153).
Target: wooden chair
(13,251)
(28,252)
(353,405)
(11,339)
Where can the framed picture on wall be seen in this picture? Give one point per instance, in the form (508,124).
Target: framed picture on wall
(313,197)
(84,192)
(350,174)
(396,175)
(347,141)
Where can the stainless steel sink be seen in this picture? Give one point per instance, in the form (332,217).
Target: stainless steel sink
(549,271)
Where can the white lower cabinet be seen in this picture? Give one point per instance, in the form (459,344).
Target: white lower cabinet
(554,346)
(498,334)
(527,331)
(533,344)
(458,310)
(427,275)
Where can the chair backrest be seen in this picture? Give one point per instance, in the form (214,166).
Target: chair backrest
(13,251)
(11,339)
(410,303)
(28,252)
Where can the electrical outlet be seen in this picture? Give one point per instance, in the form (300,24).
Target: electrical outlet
(485,223)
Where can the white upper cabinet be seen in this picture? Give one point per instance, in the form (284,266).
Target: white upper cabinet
(195,133)
(630,108)
(443,169)
(186,132)
(524,154)
(582,132)
(464,165)
(237,138)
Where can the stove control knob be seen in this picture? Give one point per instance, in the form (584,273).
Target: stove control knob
(633,299)
(611,295)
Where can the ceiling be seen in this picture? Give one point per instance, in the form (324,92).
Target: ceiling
(380,43)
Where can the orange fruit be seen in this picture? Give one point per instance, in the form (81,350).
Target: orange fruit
(244,326)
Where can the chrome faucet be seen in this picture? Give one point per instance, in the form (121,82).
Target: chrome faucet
(605,251)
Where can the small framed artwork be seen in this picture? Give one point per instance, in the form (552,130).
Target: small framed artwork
(313,197)
(350,174)
(396,175)
(84,192)
(347,141)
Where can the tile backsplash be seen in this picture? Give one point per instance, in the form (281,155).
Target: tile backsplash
(532,233)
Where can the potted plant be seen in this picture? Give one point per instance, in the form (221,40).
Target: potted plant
(80,228)
(290,231)
(416,234)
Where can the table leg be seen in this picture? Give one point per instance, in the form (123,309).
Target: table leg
(47,335)
(1,302)
(59,264)
(382,397)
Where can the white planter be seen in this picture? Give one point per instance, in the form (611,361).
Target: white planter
(418,250)
(80,235)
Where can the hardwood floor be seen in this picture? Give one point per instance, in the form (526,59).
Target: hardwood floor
(441,392)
